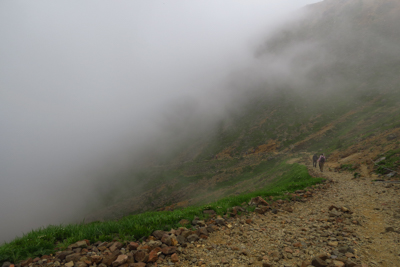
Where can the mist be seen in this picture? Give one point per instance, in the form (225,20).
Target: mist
(87,87)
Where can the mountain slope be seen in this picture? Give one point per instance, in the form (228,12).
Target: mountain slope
(329,83)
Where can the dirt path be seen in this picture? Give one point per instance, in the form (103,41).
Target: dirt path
(353,222)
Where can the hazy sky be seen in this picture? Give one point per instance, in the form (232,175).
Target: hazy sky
(80,80)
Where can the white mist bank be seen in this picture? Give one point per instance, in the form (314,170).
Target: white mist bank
(82,81)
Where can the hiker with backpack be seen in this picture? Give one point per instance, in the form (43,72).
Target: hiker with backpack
(314,160)
(321,161)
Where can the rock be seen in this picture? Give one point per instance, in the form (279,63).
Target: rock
(141,256)
(343,249)
(96,259)
(288,250)
(258,201)
(26,262)
(153,244)
(139,264)
(115,246)
(201,223)
(266,264)
(334,213)
(174,258)
(333,243)
(181,239)
(63,254)
(344,209)
(389,229)
(6,264)
(75,257)
(288,209)
(186,233)
(80,264)
(153,255)
(168,250)
(220,221)
(390,175)
(133,245)
(169,240)
(318,262)
(202,231)
(121,259)
(158,234)
(108,259)
(192,238)
(297,245)
(338,263)
(69,264)
(79,244)
(261,209)
(350,264)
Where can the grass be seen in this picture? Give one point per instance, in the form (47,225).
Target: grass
(390,163)
(47,240)
(347,167)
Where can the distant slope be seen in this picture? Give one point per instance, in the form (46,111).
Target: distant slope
(340,87)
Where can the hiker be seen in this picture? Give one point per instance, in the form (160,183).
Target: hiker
(314,160)
(321,161)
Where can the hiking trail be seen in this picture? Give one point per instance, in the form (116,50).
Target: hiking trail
(349,221)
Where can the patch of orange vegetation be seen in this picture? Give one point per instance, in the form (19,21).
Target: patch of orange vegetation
(174,206)
(226,153)
(271,146)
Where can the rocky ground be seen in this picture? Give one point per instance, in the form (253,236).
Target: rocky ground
(346,221)
(350,222)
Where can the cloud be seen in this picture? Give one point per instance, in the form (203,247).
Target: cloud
(83,83)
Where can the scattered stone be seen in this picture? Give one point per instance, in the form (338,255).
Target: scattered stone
(121,259)
(174,258)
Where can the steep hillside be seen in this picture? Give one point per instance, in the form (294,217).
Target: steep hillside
(340,96)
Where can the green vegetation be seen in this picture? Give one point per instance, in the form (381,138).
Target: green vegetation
(52,238)
(390,163)
(347,167)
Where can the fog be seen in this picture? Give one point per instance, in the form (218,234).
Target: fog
(88,83)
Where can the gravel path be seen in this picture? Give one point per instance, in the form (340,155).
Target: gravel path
(347,222)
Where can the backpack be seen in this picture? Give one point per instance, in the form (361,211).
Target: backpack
(322,159)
